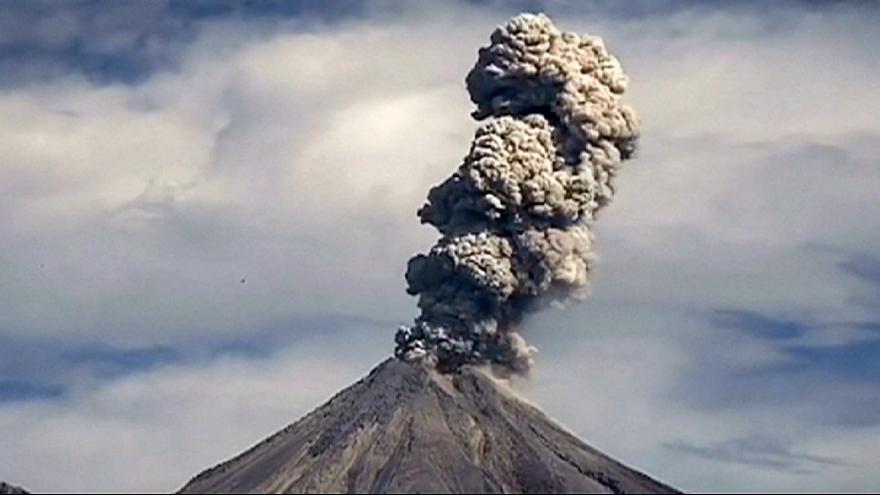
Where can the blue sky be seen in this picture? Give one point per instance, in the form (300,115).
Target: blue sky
(154,154)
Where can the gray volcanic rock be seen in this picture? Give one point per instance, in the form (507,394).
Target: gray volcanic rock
(6,488)
(407,429)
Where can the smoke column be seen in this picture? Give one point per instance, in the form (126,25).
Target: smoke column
(516,216)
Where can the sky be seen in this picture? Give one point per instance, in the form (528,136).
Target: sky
(153,155)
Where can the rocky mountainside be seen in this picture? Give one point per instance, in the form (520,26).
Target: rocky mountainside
(408,429)
(7,489)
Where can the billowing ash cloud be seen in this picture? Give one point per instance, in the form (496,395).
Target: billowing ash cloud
(516,216)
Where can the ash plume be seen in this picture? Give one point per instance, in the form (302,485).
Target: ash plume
(516,216)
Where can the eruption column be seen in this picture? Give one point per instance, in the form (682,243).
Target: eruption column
(516,216)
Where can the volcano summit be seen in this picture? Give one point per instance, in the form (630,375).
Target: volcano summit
(407,428)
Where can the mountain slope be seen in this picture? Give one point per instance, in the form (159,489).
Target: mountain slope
(404,428)
(6,488)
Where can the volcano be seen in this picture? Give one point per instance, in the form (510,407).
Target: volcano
(407,428)
(6,488)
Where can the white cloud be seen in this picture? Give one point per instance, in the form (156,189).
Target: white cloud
(619,380)
(150,432)
(148,203)
(293,155)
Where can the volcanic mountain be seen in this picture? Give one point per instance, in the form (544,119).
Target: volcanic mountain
(6,488)
(406,428)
